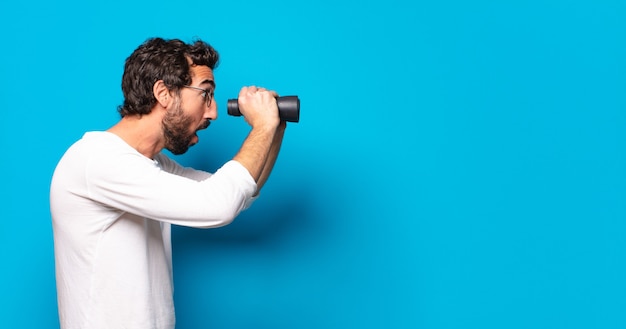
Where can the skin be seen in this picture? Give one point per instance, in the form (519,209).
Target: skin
(180,118)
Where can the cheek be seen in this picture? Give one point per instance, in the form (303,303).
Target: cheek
(197,121)
(193,117)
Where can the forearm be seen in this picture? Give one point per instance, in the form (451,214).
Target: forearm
(255,151)
(272,156)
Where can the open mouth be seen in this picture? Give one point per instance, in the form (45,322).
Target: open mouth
(205,125)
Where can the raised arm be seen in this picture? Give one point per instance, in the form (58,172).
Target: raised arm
(258,107)
(271,159)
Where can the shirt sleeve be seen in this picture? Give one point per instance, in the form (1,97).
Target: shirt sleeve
(173,167)
(176,195)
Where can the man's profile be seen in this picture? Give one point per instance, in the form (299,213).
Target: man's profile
(114,194)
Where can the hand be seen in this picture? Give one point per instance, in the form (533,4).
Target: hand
(258,107)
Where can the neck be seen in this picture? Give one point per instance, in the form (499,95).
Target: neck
(143,133)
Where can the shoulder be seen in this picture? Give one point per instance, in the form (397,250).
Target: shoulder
(166,163)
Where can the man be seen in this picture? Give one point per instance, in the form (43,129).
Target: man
(114,194)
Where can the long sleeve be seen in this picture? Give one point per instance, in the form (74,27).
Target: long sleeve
(129,182)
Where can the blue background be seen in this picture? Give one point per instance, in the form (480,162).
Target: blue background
(458,164)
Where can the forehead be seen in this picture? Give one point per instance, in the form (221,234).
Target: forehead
(202,76)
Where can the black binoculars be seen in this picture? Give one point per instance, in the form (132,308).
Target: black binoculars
(288,108)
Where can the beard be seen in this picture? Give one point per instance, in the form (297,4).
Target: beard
(176,130)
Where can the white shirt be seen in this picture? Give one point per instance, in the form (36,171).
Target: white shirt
(111,213)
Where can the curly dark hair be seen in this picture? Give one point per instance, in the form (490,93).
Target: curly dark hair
(160,59)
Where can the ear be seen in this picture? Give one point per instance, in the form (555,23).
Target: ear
(162,94)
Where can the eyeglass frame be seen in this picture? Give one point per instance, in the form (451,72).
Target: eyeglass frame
(208,94)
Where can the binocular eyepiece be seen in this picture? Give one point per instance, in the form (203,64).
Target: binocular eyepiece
(288,108)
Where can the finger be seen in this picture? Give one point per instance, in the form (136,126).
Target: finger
(243,91)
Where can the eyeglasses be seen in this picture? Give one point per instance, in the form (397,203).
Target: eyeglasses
(208,94)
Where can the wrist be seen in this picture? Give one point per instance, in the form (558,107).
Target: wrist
(267,126)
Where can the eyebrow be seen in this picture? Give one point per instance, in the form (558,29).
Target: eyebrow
(209,81)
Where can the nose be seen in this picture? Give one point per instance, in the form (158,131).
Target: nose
(211,111)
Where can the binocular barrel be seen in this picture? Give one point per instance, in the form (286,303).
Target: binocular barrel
(288,108)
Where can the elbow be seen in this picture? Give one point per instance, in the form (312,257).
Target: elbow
(223,221)
(216,220)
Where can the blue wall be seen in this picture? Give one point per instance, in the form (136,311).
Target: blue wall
(458,164)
